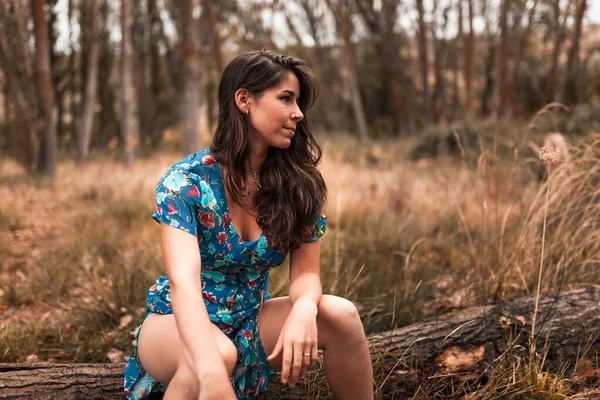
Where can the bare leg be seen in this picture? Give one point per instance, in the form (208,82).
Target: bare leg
(341,335)
(161,353)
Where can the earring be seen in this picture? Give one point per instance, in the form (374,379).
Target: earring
(248,112)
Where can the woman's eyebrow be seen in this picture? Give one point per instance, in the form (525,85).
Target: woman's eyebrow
(291,92)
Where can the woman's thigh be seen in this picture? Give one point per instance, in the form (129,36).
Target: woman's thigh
(274,313)
(160,350)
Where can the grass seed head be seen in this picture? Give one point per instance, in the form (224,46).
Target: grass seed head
(551,155)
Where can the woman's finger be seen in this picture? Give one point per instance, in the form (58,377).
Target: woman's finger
(277,349)
(286,361)
(297,363)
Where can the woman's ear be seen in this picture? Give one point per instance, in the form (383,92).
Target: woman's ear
(243,100)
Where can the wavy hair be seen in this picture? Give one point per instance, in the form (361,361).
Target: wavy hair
(293,191)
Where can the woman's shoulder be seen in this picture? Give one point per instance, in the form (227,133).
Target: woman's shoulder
(199,165)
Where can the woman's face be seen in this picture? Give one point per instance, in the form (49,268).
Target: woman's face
(274,115)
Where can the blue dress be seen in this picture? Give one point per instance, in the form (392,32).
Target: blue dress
(234,273)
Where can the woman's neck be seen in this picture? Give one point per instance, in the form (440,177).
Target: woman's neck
(258,155)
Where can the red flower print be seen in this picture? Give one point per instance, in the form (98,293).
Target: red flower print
(208,160)
(172,209)
(230,302)
(169,305)
(222,236)
(226,220)
(252,284)
(240,241)
(206,219)
(248,334)
(194,192)
(229,246)
(209,296)
(307,234)
(159,210)
(203,285)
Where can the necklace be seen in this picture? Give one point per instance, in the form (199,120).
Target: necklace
(255,178)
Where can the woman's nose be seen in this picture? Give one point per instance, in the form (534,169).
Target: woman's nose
(297,115)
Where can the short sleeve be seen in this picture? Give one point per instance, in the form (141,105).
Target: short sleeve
(177,199)
(320,224)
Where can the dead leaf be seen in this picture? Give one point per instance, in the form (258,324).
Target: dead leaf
(456,359)
(109,337)
(584,368)
(521,319)
(125,320)
(115,356)
(32,358)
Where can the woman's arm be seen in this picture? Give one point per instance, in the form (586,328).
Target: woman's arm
(305,279)
(182,261)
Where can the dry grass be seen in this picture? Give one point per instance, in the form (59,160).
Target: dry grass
(405,240)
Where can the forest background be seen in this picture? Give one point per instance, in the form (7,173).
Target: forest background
(431,115)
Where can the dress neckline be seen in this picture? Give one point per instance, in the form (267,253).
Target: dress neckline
(223,190)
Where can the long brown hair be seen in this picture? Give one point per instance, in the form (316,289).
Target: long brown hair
(293,191)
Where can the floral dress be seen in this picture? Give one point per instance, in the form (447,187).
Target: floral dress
(234,272)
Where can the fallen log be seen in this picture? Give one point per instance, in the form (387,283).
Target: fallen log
(464,339)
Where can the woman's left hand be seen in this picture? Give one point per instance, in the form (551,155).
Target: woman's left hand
(298,337)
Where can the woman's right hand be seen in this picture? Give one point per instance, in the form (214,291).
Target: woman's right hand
(216,385)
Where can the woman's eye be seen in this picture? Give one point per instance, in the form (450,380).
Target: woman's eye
(286,98)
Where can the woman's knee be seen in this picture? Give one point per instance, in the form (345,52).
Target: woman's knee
(339,313)
(229,355)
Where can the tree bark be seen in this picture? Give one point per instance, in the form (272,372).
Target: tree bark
(191,91)
(129,129)
(47,160)
(89,101)
(565,320)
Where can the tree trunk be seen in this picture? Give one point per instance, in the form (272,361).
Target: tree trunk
(469,44)
(129,129)
(89,101)
(522,42)
(191,77)
(47,160)
(357,105)
(502,60)
(211,8)
(15,61)
(73,109)
(572,76)
(559,36)
(438,100)
(423,61)
(482,332)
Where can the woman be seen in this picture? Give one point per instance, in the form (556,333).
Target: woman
(228,214)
